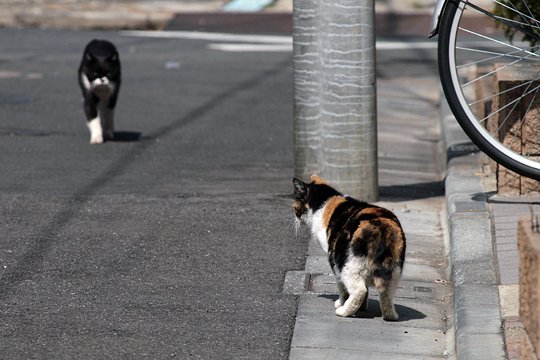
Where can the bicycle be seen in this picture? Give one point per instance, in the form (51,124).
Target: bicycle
(489,67)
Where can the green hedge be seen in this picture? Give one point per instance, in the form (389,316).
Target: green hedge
(531,9)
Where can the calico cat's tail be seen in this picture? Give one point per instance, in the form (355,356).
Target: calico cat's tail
(390,257)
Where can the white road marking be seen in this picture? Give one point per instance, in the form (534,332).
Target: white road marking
(198,35)
(230,47)
(406,45)
(269,43)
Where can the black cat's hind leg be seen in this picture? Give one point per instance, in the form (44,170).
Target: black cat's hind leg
(108,123)
(108,116)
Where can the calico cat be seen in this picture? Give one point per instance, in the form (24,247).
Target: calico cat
(99,79)
(365,244)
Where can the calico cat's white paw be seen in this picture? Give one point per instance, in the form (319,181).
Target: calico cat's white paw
(338,303)
(344,312)
(392,316)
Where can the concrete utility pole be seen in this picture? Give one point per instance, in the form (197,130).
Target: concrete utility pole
(335,127)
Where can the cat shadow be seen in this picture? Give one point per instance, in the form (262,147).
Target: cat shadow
(126,136)
(374,310)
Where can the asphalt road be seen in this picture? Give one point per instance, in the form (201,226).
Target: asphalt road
(172,241)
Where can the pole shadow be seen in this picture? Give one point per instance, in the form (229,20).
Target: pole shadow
(412,191)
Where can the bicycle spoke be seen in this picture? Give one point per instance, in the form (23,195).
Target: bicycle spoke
(502,92)
(505,21)
(530,12)
(509,104)
(531,16)
(498,41)
(491,73)
(517,24)
(523,118)
(498,56)
(525,17)
(516,103)
(491,82)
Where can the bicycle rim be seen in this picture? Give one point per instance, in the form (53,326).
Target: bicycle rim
(492,83)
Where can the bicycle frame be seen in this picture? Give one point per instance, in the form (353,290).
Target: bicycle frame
(434,26)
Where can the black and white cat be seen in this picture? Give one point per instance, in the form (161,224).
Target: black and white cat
(365,244)
(99,79)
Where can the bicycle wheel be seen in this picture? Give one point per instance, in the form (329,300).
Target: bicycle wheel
(489,64)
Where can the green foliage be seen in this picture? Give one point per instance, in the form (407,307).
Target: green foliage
(530,8)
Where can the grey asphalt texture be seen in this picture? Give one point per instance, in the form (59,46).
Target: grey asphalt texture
(173,240)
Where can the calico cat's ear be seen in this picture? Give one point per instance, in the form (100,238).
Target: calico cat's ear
(113,58)
(89,57)
(316,179)
(300,188)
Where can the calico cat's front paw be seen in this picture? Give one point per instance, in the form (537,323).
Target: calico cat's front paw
(338,303)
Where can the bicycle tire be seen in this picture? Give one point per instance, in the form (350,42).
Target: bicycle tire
(452,32)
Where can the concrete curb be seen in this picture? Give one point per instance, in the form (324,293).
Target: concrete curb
(477,317)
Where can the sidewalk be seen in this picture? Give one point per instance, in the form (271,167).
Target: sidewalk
(458,297)
(411,174)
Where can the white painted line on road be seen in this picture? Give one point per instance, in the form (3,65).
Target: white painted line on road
(281,42)
(198,35)
(405,45)
(381,45)
(251,47)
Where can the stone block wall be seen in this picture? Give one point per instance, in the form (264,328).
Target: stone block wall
(516,124)
(529,289)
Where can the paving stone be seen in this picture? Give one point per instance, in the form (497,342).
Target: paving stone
(325,354)
(336,334)
(480,347)
(510,277)
(512,239)
(506,247)
(509,295)
(296,282)
(420,272)
(318,264)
